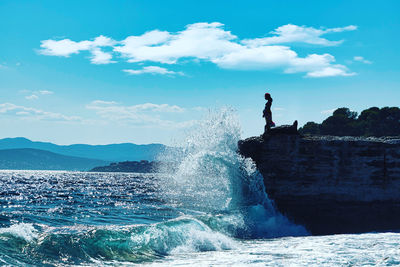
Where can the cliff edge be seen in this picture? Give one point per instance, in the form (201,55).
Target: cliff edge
(331,184)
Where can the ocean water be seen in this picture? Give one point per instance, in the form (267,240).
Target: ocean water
(210,209)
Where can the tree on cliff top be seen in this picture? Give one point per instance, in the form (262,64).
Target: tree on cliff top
(344,122)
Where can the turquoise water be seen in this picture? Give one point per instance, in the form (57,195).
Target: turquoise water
(98,219)
(210,209)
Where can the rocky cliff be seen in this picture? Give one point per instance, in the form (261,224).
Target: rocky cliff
(331,184)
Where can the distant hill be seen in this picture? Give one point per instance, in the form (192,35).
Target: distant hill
(344,122)
(36,159)
(143,166)
(113,152)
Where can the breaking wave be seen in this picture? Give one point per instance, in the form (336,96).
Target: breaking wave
(209,176)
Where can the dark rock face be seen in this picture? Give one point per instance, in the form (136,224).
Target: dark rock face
(331,184)
(283,129)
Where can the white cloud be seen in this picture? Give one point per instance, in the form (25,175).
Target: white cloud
(211,42)
(311,63)
(31,97)
(256,58)
(45,92)
(298,34)
(33,113)
(147,114)
(114,107)
(102,103)
(362,59)
(63,48)
(109,112)
(99,57)
(152,70)
(342,29)
(132,43)
(337,70)
(200,40)
(35,94)
(268,57)
(66,47)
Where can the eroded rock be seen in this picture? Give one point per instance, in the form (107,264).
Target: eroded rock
(331,184)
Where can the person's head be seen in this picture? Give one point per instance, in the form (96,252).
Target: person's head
(267,96)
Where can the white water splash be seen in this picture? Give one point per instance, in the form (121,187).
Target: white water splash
(25,231)
(210,176)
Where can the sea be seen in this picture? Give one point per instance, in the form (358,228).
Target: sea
(207,208)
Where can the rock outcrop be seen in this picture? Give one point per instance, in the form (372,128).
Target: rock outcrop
(331,184)
(283,129)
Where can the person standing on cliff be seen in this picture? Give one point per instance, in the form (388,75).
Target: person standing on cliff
(267,114)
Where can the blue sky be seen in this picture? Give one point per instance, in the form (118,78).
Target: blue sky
(144,71)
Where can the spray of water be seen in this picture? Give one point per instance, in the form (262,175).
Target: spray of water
(210,177)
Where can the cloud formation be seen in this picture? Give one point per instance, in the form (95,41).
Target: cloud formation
(152,70)
(35,94)
(147,114)
(299,34)
(362,59)
(31,97)
(45,92)
(108,112)
(33,113)
(210,42)
(66,47)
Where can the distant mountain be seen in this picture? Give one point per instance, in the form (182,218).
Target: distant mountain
(142,166)
(36,159)
(113,152)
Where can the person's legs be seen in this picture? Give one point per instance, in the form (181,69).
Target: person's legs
(267,125)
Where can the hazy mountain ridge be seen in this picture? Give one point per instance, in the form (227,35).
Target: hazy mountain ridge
(36,159)
(108,153)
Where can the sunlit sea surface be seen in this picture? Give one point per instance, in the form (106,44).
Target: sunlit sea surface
(73,218)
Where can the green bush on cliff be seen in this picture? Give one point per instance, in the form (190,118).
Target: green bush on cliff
(344,122)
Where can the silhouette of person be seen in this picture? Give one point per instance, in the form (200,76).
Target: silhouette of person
(267,114)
